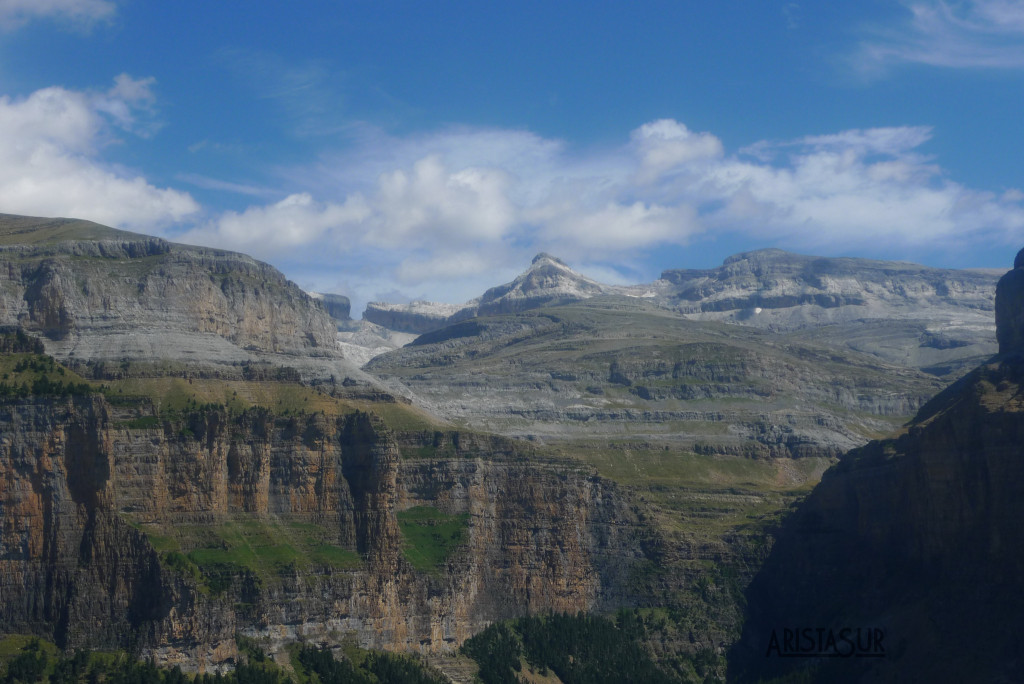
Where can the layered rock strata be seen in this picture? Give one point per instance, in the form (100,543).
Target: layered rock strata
(917,536)
(915,316)
(97,294)
(84,496)
(606,368)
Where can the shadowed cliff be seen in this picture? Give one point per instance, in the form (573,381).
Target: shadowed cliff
(915,541)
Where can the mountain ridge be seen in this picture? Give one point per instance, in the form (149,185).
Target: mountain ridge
(916,536)
(937,318)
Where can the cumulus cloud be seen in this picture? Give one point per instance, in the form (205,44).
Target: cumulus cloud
(50,144)
(445,216)
(665,144)
(855,189)
(432,203)
(968,34)
(78,13)
(297,220)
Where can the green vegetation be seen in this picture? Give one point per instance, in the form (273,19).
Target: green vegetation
(18,341)
(704,495)
(431,536)
(27,230)
(28,660)
(174,396)
(143,423)
(247,548)
(582,649)
(318,666)
(31,373)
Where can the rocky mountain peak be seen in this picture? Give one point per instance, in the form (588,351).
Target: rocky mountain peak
(544,256)
(549,280)
(1010,309)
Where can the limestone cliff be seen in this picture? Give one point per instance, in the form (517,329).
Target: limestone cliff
(337,306)
(173,537)
(917,536)
(415,317)
(98,294)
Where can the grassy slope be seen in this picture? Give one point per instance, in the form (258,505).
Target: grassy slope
(560,350)
(431,536)
(30,230)
(562,356)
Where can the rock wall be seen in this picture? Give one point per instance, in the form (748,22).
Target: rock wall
(1010,309)
(80,489)
(774,279)
(917,536)
(337,306)
(148,299)
(417,317)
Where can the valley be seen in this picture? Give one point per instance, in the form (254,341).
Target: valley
(197,455)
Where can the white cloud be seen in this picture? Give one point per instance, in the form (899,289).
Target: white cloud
(666,144)
(431,203)
(445,216)
(78,13)
(449,265)
(49,158)
(856,189)
(614,228)
(295,221)
(201,181)
(967,34)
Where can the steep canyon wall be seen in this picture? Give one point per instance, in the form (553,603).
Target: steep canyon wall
(113,521)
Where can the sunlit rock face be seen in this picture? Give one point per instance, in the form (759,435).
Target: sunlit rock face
(89,502)
(95,294)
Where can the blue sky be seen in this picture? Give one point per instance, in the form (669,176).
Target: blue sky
(396,150)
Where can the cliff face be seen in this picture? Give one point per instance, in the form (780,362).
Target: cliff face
(596,370)
(174,538)
(918,536)
(337,306)
(109,297)
(771,280)
(415,317)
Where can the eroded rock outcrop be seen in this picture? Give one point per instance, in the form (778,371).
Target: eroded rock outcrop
(415,317)
(337,306)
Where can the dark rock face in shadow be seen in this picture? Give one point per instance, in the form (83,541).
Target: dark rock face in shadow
(915,540)
(1010,309)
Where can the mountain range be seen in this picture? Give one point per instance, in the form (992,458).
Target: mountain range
(193,451)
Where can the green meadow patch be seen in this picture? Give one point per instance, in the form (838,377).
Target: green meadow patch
(432,536)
